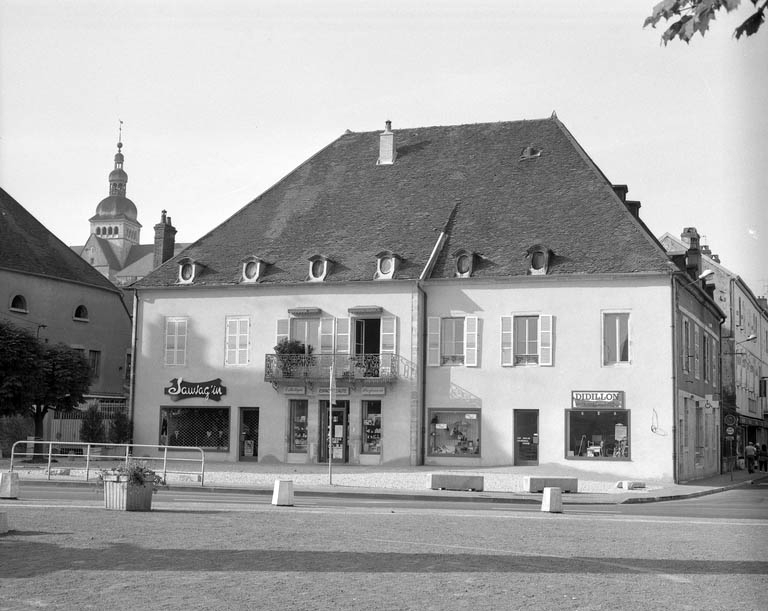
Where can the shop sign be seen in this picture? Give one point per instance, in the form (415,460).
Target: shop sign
(373,390)
(597,399)
(294,390)
(339,390)
(179,389)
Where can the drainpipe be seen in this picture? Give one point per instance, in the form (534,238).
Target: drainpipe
(421,371)
(132,379)
(675,395)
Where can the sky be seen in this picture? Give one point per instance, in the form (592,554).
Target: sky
(220,100)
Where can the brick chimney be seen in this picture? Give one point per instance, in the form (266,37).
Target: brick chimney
(165,240)
(387,151)
(693,255)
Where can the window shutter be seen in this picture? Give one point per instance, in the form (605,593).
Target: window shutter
(388,335)
(433,341)
(506,341)
(545,340)
(342,335)
(696,363)
(283,329)
(326,335)
(470,341)
(232,341)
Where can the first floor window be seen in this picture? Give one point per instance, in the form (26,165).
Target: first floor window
(454,432)
(202,427)
(94,361)
(175,341)
(615,339)
(298,432)
(527,340)
(452,341)
(597,433)
(371,427)
(237,347)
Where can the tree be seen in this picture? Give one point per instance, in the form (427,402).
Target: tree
(120,429)
(690,16)
(19,360)
(92,426)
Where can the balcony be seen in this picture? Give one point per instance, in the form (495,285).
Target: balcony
(317,367)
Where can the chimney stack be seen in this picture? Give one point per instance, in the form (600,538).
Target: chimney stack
(387,152)
(165,240)
(621,191)
(693,255)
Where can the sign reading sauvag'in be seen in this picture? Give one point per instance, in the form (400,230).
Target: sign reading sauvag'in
(179,389)
(593,399)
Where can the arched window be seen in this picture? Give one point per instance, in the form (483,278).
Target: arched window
(81,312)
(19,304)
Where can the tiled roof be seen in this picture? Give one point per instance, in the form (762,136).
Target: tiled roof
(342,205)
(26,246)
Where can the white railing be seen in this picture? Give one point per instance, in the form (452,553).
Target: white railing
(90,457)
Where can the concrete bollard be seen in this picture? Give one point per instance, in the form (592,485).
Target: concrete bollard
(3,523)
(283,492)
(552,501)
(9,485)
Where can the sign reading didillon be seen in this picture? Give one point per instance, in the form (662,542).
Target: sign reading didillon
(605,399)
(179,389)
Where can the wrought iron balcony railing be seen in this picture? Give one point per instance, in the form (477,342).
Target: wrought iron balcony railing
(287,367)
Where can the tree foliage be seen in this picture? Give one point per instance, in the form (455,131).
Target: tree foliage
(19,359)
(120,428)
(686,17)
(92,426)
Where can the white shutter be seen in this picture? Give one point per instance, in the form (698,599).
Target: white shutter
(231,357)
(342,335)
(696,352)
(506,341)
(470,341)
(545,340)
(326,335)
(433,341)
(283,329)
(388,335)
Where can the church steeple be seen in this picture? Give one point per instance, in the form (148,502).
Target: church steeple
(117,177)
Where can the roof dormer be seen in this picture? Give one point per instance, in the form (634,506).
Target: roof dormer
(540,257)
(465,263)
(319,267)
(387,265)
(189,270)
(252,269)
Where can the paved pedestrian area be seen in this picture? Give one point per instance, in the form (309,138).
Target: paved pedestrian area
(501,484)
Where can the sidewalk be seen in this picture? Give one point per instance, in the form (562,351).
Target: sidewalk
(501,484)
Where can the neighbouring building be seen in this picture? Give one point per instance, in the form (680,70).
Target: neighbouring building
(114,247)
(48,290)
(471,295)
(744,354)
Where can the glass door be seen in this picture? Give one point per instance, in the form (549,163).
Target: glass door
(526,436)
(339,431)
(249,433)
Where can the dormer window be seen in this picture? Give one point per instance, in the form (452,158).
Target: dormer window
(387,264)
(540,257)
(188,270)
(81,313)
(19,304)
(529,152)
(319,268)
(253,269)
(465,263)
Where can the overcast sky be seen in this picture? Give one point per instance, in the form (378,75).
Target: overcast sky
(222,99)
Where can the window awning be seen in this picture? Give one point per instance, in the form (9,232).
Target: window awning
(366,311)
(304,312)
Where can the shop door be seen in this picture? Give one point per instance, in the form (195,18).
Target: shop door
(339,431)
(249,433)
(526,437)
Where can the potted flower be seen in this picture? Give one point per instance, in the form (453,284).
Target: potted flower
(129,486)
(292,356)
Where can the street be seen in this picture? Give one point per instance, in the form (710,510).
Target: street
(200,550)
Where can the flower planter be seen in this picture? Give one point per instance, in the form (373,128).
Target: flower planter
(121,495)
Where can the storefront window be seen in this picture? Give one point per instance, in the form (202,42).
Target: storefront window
(299,426)
(202,427)
(454,432)
(597,433)
(371,427)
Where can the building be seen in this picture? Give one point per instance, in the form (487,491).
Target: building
(48,290)
(744,356)
(473,295)
(114,247)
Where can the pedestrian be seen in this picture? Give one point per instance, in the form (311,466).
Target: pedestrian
(762,458)
(749,454)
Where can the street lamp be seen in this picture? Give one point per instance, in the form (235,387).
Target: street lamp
(705,274)
(751,338)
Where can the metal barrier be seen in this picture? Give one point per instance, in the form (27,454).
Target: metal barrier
(92,453)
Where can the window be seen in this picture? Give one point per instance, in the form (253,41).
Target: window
(19,304)
(175,341)
(705,355)
(387,264)
(527,340)
(686,351)
(371,427)
(319,268)
(452,341)
(189,269)
(454,432)
(597,434)
(298,431)
(203,427)
(615,339)
(81,313)
(696,352)
(465,263)
(237,341)
(540,256)
(94,361)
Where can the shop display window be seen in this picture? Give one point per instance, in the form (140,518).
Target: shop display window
(201,427)
(454,432)
(299,409)
(371,427)
(597,434)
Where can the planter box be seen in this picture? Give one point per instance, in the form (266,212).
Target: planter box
(122,496)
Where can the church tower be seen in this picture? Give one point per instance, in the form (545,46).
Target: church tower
(116,217)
